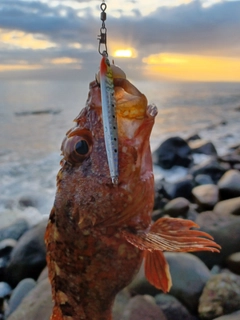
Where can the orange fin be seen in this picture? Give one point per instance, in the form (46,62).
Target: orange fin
(157,270)
(172,234)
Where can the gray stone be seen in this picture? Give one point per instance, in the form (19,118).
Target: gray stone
(203,146)
(189,276)
(220,296)
(233,262)
(229,184)
(173,308)
(28,258)
(177,207)
(206,196)
(224,228)
(6,246)
(209,167)
(173,152)
(14,231)
(21,291)
(121,300)
(230,206)
(232,316)
(5,290)
(142,307)
(37,305)
(202,179)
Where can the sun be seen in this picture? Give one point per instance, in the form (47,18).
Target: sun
(125,53)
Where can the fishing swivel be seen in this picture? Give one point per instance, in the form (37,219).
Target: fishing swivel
(102,47)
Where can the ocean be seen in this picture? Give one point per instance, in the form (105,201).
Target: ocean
(35,115)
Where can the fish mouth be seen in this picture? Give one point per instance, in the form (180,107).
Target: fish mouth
(130,102)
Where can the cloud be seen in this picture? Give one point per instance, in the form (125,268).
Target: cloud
(69,29)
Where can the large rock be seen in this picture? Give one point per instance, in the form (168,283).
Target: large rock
(232,316)
(142,307)
(220,296)
(210,167)
(14,231)
(181,188)
(203,146)
(173,308)
(37,305)
(206,196)
(173,152)
(177,207)
(28,258)
(189,276)
(230,206)
(229,184)
(224,228)
(22,289)
(233,262)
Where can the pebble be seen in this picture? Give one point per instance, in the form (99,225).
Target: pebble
(203,146)
(210,167)
(6,246)
(142,307)
(224,228)
(181,188)
(229,185)
(232,316)
(177,207)
(174,151)
(206,196)
(220,296)
(5,290)
(173,308)
(233,262)
(189,276)
(37,305)
(230,206)
(202,179)
(22,289)
(28,258)
(14,231)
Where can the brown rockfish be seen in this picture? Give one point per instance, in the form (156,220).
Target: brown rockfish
(99,232)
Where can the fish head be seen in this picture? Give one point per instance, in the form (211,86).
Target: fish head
(85,172)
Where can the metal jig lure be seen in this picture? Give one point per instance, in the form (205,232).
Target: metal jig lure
(108,102)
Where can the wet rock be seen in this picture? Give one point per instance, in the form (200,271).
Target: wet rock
(173,152)
(202,179)
(120,302)
(5,290)
(206,196)
(140,285)
(203,146)
(43,275)
(233,262)
(143,307)
(37,305)
(172,307)
(19,293)
(224,228)
(209,167)
(177,207)
(28,258)
(232,159)
(230,206)
(193,137)
(181,188)
(229,185)
(6,246)
(3,265)
(14,231)
(189,276)
(220,296)
(232,316)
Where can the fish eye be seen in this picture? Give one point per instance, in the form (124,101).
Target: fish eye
(77,146)
(81,147)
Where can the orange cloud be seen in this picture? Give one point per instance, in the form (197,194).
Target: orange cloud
(192,67)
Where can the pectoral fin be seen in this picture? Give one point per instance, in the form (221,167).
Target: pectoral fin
(168,234)
(157,270)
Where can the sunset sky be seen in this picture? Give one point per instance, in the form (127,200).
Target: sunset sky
(191,40)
